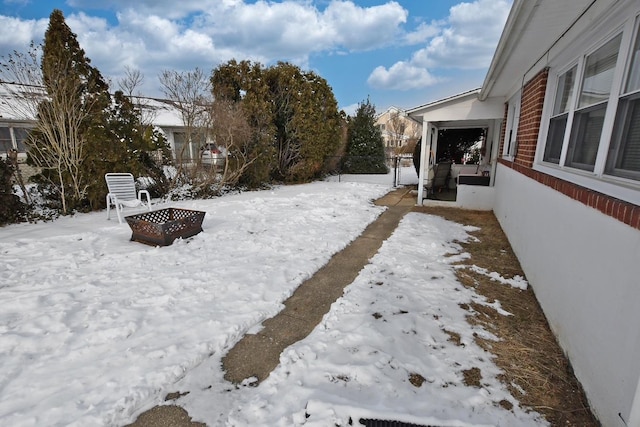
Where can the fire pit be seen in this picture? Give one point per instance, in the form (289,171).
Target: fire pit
(163,226)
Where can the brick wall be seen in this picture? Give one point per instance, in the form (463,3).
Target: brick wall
(625,212)
(530,118)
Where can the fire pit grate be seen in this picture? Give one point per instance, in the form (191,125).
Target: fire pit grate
(163,226)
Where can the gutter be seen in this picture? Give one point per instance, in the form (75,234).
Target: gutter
(518,16)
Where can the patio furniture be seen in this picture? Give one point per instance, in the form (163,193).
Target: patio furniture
(440,180)
(122,193)
(163,226)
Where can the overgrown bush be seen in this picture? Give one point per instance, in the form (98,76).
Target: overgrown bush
(12,209)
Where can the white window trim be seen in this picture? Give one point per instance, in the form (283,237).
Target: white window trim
(12,134)
(511,131)
(621,188)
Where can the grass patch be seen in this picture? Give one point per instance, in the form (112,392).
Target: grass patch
(536,371)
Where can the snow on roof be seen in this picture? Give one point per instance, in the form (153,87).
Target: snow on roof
(162,111)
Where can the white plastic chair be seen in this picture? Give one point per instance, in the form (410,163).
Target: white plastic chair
(122,193)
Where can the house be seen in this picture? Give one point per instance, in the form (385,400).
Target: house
(398,131)
(16,121)
(561,108)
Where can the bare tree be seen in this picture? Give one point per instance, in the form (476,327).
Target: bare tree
(131,82)
(230,129)
(404,133)
(130,85)
(190,93)
(57,119)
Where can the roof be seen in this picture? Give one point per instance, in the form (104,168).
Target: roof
(532,29)
(161,111)
(461,110)
(438,103)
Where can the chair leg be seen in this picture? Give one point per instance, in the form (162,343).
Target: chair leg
(108,207)
(119,212)
(148,197)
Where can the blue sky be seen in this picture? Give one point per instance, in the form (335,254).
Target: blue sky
(403,53)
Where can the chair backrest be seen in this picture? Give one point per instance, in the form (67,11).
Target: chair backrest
(441,174)
(121,185)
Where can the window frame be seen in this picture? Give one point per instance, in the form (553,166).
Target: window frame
(16,143)
(510,148)
(620,187)
(575,66)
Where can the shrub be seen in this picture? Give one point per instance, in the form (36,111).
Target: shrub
(12,209)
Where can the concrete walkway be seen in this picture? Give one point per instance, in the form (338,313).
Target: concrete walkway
(256,355)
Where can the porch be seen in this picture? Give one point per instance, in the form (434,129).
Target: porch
(467,186)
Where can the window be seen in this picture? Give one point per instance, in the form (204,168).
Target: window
(9,134)
(592,105)
(5,140)
(558,122)
(179,146)
(623,159)
(588,131)
(21,135)
(511,131)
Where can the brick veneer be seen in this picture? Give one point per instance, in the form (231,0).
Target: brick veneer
(530,118)
(528,129)
(625,212)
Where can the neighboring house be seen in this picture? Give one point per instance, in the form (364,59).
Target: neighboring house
(13,129)
(561,105)
(14,126)
(398,129)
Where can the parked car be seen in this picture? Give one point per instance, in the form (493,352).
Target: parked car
(211,154)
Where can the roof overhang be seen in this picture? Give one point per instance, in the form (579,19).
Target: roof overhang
(533,29)
(460,111)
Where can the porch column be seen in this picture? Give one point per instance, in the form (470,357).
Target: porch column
(425,149)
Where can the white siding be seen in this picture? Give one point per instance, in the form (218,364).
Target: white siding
(584,268)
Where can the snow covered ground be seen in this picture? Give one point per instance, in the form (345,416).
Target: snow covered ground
(95,329)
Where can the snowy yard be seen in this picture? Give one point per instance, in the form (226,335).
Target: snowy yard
(95,329)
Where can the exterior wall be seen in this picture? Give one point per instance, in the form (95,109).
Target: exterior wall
(579,249)
(530,118)
(583,267)
(476,197)
(392,137)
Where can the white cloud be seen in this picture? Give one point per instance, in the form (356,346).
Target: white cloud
(423,33)
(298,28)
(470,38)
(401,76)
(16,34)
(152,35)
(351,109)
(466,40)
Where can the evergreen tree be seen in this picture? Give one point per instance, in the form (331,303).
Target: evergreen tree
(81,132)
(125,145)
(11,207)
(306,119)
(365,145)
(293,114)
(453,144)
(243,82)
(68,117)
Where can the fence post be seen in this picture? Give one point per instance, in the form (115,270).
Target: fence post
(396,172)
